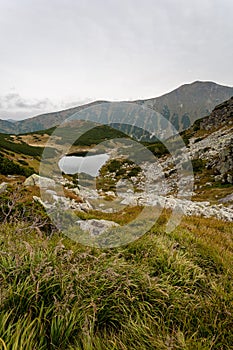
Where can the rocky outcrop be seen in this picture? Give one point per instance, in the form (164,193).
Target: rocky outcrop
(63,203)
(216,150)
(221,115)
(188,207)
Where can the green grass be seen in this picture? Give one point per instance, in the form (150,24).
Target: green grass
(164,291)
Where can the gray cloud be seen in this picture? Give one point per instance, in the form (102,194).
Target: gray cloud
(73,50)
(13,105)
(14,100)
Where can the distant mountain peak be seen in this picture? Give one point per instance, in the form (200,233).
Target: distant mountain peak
(189,102)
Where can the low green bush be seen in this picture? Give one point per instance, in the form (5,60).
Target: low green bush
(8,167)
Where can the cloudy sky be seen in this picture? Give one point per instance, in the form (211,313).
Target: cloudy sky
(60,53)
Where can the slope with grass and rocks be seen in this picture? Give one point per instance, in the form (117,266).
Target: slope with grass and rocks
(163,291)
(208,145)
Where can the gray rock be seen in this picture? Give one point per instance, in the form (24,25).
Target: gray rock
(39,200)
(3,187)
(96,227)
(230,179)
(58,202)
(218,178)
(51,192)
(110,194)
(226,199)
(86,206)
(36,180)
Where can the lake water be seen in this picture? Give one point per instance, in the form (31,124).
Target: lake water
(88,164)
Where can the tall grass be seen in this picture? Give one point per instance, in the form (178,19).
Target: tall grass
(164,291)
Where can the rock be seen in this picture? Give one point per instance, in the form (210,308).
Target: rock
(3,187)
(226,199)
(36,180)
(39,200)
(51,192)
(110,194)
(130,200)
(218,178)
(230,179)
(86,206)
(96,227)
(58,202)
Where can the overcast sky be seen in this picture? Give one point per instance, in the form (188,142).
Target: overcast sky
(60,53)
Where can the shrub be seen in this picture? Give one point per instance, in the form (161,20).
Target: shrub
(8,167)
(198,165)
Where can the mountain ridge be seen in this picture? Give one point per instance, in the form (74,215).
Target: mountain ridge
(181,106)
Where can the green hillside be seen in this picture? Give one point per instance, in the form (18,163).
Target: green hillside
(162,291)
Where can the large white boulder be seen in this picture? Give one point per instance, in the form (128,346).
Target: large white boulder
(40,181)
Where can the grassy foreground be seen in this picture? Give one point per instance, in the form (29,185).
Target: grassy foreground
(164,291)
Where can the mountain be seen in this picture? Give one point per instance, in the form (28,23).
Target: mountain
(189,102)
(181,107)
(7,127)
(48,120)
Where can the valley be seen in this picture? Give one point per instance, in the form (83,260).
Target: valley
(131,256)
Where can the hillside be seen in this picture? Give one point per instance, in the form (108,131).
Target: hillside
(7,127)
(181,107)
(164,290)
(189,102)
(43,121)
(210,141)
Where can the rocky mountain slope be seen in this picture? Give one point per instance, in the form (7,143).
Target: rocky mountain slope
(165,290)
(189,102)
(209,148)
(209,144)
(210,140)
(7,127)
(41,122)
(181,107)
(221,115)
